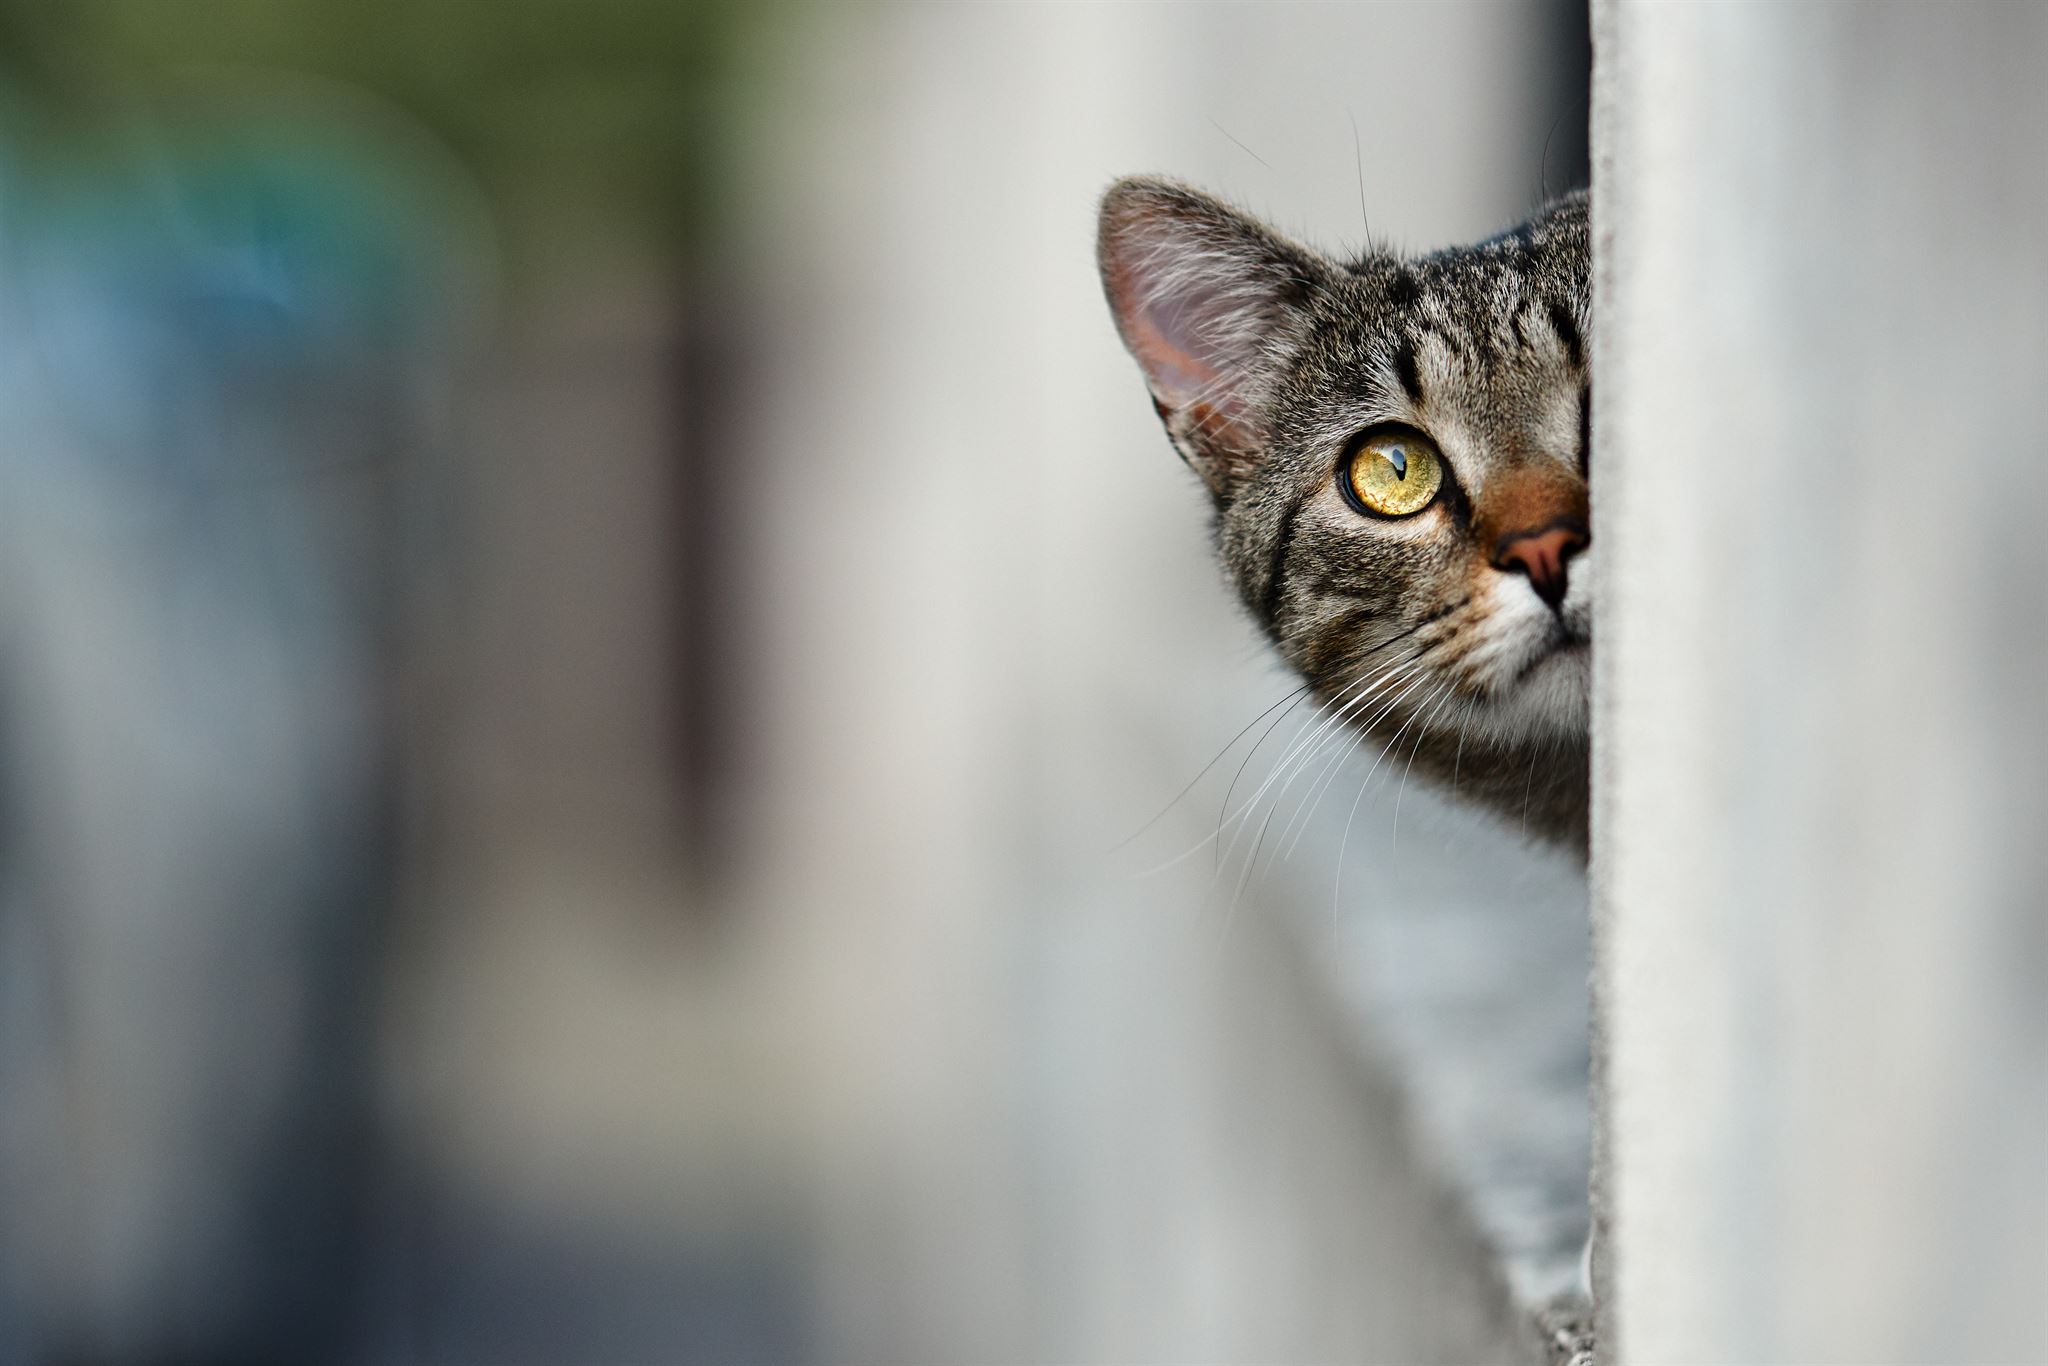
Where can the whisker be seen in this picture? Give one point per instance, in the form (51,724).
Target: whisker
(1358,160)
(1527,786)
(1269,165)
(1337,891)
(1357,701)
(1330,715)
(1294,697)
(1327,715)
(1304,754)
(1421,733)
(1328,777)
(1464,722)
(1227,819)
(1244,876)
(1223,811)
(1234,818)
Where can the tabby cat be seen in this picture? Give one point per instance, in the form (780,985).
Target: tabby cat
(1398,454)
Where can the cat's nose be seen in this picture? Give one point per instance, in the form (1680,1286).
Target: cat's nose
(1543,555)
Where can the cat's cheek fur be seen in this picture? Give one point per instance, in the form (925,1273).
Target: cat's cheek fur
(1577,607)
(1536,678)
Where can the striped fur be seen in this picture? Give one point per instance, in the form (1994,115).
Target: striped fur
(1267,360)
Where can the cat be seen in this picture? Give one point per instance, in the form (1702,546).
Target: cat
(1398,453)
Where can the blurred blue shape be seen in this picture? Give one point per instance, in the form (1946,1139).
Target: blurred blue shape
(217,341)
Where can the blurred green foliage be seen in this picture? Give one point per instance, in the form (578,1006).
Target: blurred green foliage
(632,102)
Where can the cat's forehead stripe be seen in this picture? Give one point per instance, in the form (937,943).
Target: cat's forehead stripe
(1402,289)
(1567,329)
(1406,370)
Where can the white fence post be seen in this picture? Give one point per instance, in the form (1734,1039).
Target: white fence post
(1821,864)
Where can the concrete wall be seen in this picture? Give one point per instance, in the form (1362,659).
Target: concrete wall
(1820,873)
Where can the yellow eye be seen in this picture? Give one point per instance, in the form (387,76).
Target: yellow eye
(1394,473)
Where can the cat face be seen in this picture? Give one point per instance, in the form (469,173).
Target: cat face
(1397,451)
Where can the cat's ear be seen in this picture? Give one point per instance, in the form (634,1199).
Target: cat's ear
(1210,301)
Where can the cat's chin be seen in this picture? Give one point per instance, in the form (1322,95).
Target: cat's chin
(1552,696)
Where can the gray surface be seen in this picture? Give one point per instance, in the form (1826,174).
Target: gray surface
(1461,954)
(1480,999)
(1821,883)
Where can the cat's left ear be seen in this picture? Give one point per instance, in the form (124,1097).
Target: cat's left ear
(1210,301)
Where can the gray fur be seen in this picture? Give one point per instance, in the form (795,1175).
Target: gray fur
(1267,360)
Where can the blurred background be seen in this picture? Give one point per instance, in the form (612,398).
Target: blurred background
(597,646)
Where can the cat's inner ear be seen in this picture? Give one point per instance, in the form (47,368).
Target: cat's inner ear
(1208,301)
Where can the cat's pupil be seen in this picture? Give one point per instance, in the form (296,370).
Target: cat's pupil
(1399,462)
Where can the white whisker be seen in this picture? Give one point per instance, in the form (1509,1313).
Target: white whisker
(1337,890)
(1421,734)
(1329,776)
(1292,765)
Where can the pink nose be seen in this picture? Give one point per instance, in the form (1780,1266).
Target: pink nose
(1543,555)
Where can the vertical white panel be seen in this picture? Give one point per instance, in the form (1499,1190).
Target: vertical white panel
(1821,896)
(1066,1116)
